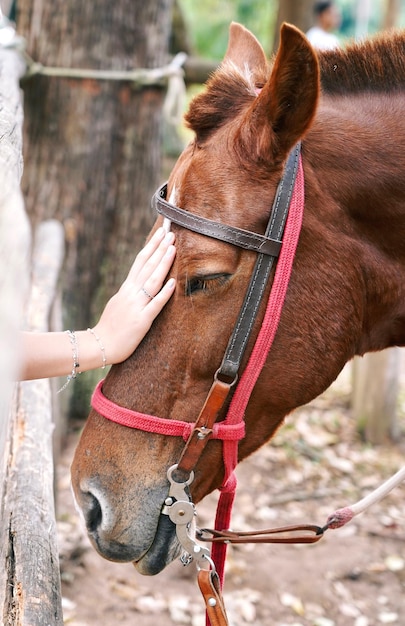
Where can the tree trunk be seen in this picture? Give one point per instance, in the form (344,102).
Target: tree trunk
(298,13)
(391,13)
(92,147)
(375,395)
(179,37)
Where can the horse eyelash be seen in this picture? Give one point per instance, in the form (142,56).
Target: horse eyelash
(205,283)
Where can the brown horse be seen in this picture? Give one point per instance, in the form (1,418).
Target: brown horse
(346,295)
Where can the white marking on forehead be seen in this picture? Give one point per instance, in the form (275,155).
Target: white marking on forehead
(172,200)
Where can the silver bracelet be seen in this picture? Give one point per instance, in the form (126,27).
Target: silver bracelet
(75,358)
(100,343)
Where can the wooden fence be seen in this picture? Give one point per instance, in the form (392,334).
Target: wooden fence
(29,566)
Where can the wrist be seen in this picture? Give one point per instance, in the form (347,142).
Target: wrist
(91,355)
(100,345)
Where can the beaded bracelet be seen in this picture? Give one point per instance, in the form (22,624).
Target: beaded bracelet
(75,358)
(100,343)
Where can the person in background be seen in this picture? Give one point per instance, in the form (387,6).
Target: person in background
(327,19)
(126,319)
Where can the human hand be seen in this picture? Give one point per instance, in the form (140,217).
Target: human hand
(129,314)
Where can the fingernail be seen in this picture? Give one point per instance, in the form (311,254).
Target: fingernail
(169,237)
(160,232)
(171,283)
(170,251)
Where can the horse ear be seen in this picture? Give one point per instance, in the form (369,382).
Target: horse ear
(285,107)
(245,52)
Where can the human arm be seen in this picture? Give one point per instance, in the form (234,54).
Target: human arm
(123,324)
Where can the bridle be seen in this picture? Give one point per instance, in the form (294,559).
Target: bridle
(278,242)
(268,248)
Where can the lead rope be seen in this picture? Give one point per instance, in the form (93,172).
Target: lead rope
(208,580)
(294,534)
(342,516)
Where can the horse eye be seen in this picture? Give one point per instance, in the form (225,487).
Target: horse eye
(194,285)
(205,283)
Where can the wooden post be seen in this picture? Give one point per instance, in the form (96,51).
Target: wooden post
(375,393)
(29,568)
(14,246)
(33,596)
(14,228)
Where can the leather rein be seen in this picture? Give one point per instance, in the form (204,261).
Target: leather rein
(277,244)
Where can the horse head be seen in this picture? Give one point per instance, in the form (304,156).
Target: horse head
(245,124)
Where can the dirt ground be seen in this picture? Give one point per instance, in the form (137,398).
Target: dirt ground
(354,576)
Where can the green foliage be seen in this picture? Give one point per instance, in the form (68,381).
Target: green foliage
(208,23)
(350,13)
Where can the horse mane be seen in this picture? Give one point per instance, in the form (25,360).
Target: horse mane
(227,93)
(374,65)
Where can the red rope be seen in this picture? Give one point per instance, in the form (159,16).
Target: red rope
(257,359)
(159,425)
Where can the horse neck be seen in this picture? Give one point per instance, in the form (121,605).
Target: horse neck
(355,178)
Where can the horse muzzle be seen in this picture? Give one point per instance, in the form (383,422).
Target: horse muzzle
(164,549)
(149,542)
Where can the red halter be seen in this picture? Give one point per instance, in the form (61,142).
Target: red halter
(226,431)
(232,429)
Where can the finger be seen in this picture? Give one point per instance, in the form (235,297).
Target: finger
(150,256)
(146,293)
(158,248)
(153,283)
(158,302)
(148,250)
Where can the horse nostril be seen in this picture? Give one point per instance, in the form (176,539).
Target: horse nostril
(93,513)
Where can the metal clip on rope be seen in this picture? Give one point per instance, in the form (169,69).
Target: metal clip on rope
(181,512)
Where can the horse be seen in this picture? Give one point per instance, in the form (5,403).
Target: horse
(346,293)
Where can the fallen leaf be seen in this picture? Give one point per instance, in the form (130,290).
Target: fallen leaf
(292,602)
(324,621)
(388,618)
(394,563)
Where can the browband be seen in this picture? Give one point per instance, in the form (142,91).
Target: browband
(230,234)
